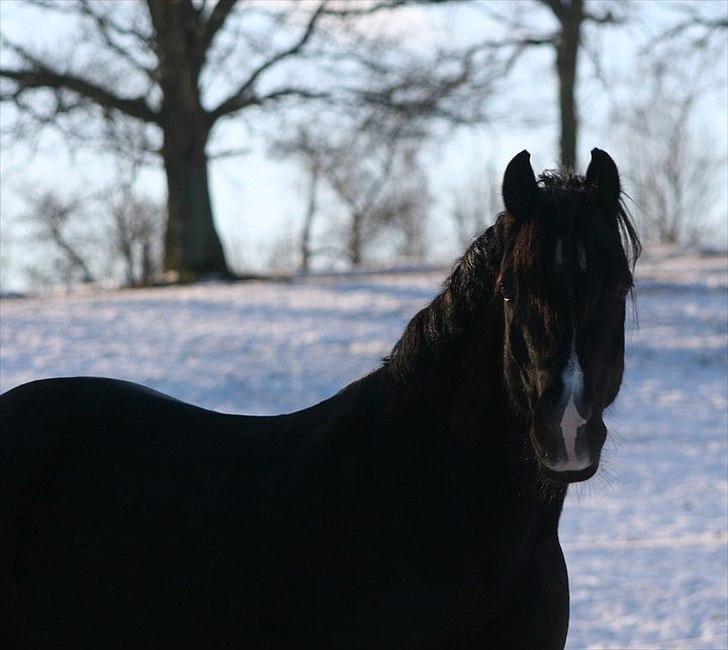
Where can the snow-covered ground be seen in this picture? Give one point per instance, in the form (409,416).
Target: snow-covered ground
(646,540)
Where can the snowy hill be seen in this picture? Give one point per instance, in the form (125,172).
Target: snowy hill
(646,540)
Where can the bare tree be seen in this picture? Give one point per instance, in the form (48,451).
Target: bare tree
(154,62)
(365,173)
(136,232)
(53,220)
(696,28)
(303,147)
(360,153)
(91,239)
(525,29)
(568,28)
(365,167)
(407,210)
(673,168)
(167,73)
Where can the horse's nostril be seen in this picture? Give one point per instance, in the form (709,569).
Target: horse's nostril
(585,411)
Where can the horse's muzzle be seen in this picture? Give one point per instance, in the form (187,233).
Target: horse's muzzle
(568,456)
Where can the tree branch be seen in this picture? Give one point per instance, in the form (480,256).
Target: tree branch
(301,93)
(244,95)
(106,27)
(607,18)
(39,76)
(215,22)
(555,6)
(373,8)
(232,152)
(74,9)
(693,19)
(420,93)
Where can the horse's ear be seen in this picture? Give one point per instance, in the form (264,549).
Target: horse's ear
(520,191)
(602,181)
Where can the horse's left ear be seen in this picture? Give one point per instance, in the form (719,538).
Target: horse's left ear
(602,181)
(520,190)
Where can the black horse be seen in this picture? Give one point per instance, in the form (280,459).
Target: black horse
(417,508)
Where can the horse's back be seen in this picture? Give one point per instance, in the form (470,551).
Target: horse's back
(124,509)
(47,421)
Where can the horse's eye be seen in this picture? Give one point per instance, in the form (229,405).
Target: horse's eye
(507,291)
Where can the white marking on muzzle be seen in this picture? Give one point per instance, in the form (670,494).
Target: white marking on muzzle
(573,382)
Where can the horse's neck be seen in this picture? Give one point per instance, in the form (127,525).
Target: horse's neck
(456,384)
(453,418)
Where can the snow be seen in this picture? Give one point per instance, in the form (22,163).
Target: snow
(646,540)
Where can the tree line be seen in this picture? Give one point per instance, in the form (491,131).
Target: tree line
(157,81)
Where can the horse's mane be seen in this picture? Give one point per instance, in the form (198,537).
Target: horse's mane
(470,285)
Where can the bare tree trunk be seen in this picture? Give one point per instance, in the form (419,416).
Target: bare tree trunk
(307,230)
(192,245)
(75,260)
(147,266)
(53,216)
(567,55)
(355,240)
(127,254)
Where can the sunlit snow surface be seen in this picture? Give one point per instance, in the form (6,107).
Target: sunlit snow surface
(645,540)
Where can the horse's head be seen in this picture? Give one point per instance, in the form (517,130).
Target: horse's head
(564,279)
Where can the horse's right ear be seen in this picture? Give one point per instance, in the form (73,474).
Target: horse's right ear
(520,191)
(602,181)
